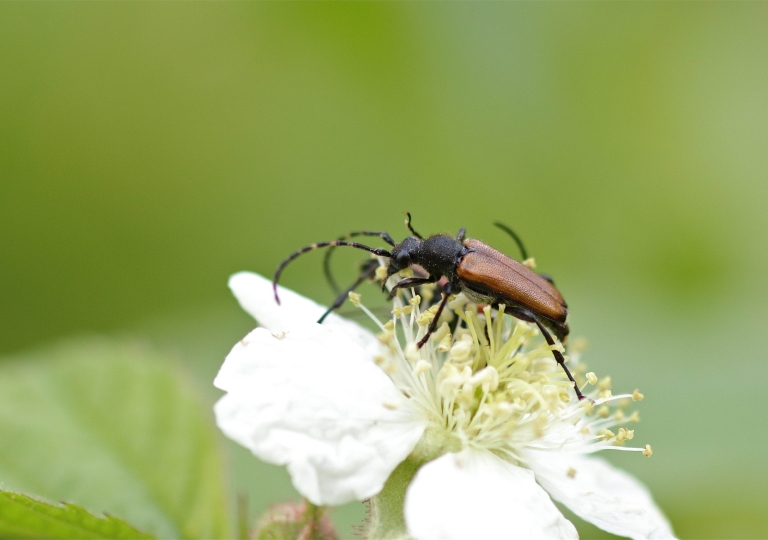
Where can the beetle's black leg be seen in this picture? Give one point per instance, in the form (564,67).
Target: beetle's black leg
(327,258)
(433,325)
(368,272)
(462,234)
(557,354)
(410,282)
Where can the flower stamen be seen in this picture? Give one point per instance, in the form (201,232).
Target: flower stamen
(490,383)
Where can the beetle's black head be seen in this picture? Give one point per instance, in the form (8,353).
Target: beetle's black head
(403,255)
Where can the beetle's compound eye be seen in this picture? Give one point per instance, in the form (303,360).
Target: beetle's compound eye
(402,260)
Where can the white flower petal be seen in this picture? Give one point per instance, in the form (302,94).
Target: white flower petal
(475,494)
(600,493)
(256,296)
(310,400)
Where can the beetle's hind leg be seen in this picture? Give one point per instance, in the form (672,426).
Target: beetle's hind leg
(557,354)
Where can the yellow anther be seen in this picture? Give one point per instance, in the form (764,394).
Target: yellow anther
(604,384)
(422,366)
(605,394)
(379,360)
(445,343)
(571,473)
(389,325)
(634,417)
(381,273)
(408,310)
(457,302)
(606,434)
(637,396)
(441,332)
(415,301)
(434,309)
(630,434)
(406,273)
(647,451)
(391,405)
(385,337)
(618,416)
(424,318)
(587,405)
(591,377)
(604,411)
(397,312)
(487,378)
(461,350)
(622,435)
(530,262)
(556,347)
(355,299)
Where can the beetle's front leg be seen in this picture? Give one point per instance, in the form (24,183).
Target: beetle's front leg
(368,272)
(433,325)
(410,282)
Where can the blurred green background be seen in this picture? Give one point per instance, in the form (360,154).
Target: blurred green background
(149,150)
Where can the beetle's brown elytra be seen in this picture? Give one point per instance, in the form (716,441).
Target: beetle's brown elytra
(489,272)
(482,273)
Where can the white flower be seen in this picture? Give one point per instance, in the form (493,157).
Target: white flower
(481,426)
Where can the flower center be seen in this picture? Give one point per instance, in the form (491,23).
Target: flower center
(484,378)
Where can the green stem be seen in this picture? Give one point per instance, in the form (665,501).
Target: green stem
(313,514)
(387,520)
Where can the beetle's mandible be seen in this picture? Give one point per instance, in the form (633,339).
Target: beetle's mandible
(482,273)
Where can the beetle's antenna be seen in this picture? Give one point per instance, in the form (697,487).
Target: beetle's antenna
(514,236)
(410,227)
(327,258)
(376,251)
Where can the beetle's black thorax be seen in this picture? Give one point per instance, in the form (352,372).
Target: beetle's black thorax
(439,256)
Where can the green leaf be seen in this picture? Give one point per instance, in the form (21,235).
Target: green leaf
(22,516)
(117,428)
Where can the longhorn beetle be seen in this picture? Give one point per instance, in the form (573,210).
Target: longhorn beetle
(483,274)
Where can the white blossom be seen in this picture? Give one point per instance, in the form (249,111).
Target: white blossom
(342,408)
